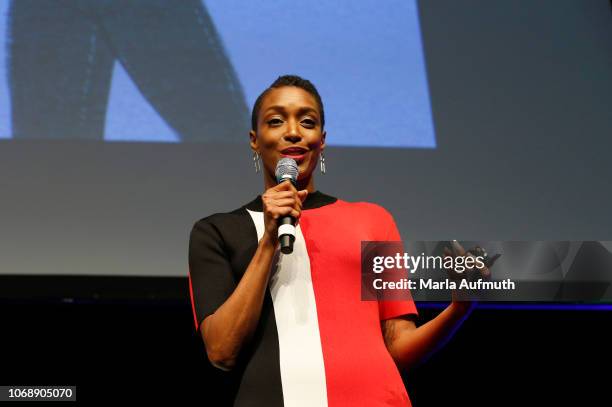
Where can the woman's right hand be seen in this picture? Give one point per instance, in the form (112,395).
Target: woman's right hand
(281,200)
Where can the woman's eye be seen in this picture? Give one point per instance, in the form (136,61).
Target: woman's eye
(273,122)
(309,122)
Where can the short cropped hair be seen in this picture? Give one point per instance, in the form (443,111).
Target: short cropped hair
(288,80)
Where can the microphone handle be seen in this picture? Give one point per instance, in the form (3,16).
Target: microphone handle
(286,234)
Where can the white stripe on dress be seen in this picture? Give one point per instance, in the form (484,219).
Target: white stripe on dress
(301,356)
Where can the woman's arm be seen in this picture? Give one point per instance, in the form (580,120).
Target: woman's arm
(409,345)
(235,320)
(226,330)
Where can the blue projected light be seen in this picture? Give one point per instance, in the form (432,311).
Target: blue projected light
(190,71)
(524,306)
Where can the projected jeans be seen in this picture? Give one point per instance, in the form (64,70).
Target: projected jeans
(61,57)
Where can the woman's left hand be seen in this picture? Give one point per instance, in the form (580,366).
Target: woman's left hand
(470,273)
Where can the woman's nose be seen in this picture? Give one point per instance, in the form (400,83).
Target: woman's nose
(292,133)
(292,137)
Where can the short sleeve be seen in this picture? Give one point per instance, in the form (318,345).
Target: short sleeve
(211,280)
(394,309)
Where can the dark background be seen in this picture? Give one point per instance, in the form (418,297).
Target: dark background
(149,352)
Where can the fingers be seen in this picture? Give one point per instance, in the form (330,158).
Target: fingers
(285,190)
(458,250)
(287,187)
(276,212)
(282,204)
(282,190)
(282,200)
(483,271)
(303,194)
(284,186)
(286,210)
(292,202)
(283,194)
(473,269)
(285,198)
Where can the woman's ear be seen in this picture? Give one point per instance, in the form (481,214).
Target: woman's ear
(323,139)
(253,138)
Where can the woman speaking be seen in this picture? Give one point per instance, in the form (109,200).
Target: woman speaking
(291,329)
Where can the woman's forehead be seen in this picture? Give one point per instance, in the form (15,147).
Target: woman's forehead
(288,97)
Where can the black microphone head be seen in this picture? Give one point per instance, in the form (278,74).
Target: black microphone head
(286,168)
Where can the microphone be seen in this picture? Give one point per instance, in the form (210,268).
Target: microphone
(286,169)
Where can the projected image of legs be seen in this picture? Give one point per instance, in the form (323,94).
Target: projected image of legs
(61,57)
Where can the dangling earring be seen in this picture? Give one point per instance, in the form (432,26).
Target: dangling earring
(322,159)
(256,161)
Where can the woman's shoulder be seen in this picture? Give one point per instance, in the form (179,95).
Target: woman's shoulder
(222,220)
(368,212)
(367,207)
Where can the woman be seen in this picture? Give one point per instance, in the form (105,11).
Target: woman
(291,329)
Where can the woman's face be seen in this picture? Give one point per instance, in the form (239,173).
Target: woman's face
(289,125)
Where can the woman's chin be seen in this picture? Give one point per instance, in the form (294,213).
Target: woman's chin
(304,171)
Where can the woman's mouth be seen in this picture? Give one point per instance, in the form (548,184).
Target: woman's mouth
(297,153)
